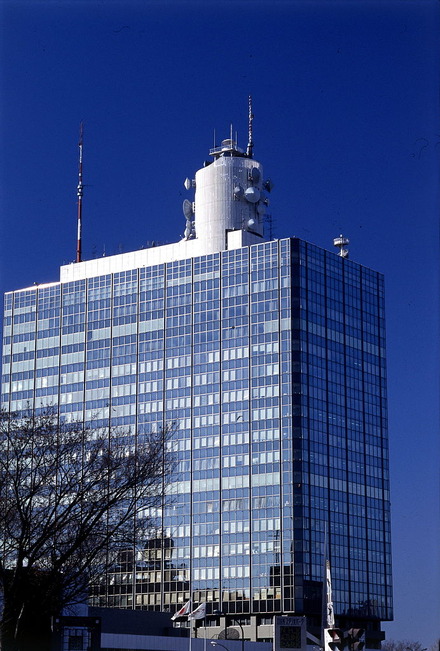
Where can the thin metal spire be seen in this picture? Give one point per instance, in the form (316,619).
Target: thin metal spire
(79,194)
(250,140)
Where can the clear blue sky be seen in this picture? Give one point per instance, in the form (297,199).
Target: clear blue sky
(346,104)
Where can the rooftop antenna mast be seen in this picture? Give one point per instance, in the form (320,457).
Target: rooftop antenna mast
(79,194)
(250,140)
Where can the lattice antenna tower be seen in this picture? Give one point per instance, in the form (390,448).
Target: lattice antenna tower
(250,146)
(79,194)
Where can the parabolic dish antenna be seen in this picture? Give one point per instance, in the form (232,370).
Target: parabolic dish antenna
(252,195)
(187,208)
(229,634)
(268,185)
(255,174)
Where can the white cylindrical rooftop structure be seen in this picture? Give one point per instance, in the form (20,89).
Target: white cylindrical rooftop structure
(228,197)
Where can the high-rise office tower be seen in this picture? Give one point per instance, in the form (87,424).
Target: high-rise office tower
(270,358)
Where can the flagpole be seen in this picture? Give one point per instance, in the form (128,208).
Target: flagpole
(324,606)
(190,621)
(198,613)
(191,604)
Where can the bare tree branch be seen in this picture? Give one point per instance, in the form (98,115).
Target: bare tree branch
(68,497)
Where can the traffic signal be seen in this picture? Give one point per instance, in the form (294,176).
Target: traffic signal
(353,639)
(334,639)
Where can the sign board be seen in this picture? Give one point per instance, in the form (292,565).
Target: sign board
(289,634)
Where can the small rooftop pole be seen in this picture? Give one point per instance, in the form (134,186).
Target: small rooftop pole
(341,243)
(250,141)
(79,194)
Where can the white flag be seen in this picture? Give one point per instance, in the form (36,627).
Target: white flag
(329,599)
(183,612)
(199,612)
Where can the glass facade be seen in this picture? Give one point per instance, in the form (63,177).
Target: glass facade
(270,360)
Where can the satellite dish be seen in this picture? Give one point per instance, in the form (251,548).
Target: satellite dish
(187,208)
(261,209)
(254,174)
(238,192)
(251,222)
(229,634)
(187,183)
(252,195)
(268,185)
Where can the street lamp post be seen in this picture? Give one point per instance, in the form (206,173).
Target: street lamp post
(218,644)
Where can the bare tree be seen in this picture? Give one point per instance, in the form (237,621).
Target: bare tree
(70,499)
(402,645)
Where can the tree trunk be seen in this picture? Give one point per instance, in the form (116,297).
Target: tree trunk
(25,629)
(8,627)
(30,600)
